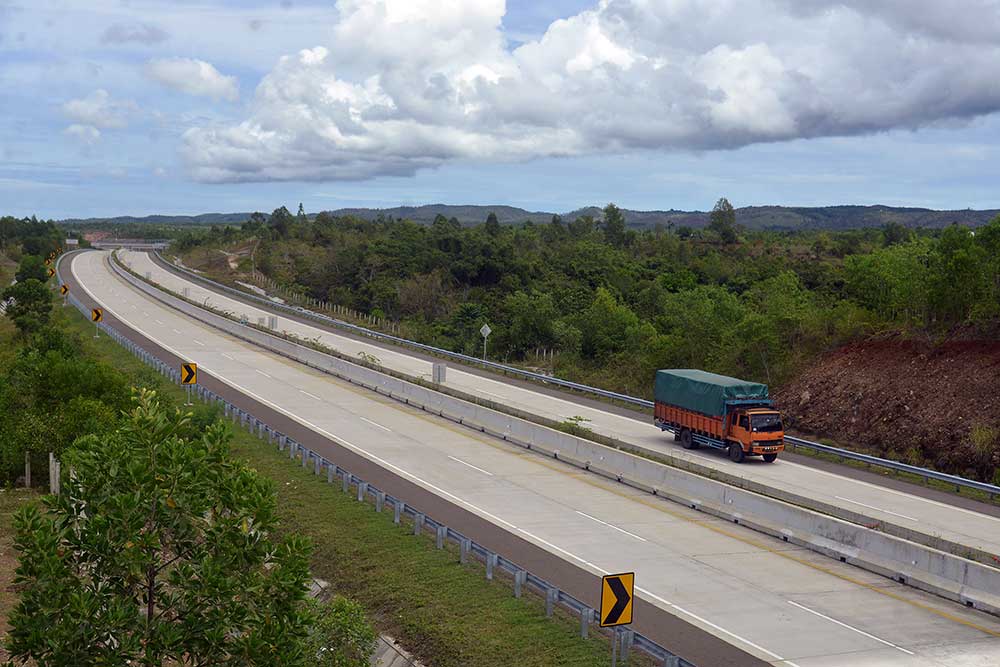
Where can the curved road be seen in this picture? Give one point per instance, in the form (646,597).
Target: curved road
(913,512)
(780,604)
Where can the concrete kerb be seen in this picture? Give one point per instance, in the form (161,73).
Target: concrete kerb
(916,564)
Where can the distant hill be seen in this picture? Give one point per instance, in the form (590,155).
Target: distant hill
(752,217)
(203,219)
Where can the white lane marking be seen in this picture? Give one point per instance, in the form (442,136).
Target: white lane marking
(228,357)
(620,530)
(262,372)
(485,472)
(310,395)
(433,487)
(561,550)
(376,424)
(492,516)
(878,509)
(490,393)
(894,492)
(199,342)
(709,623)
(176,331)
(157,321)
(849,627)
(731,634)
(133,307)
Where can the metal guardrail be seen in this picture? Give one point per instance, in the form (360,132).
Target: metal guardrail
(926,473)
(494,562)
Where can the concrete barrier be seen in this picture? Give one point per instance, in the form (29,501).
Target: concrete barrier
(911,563)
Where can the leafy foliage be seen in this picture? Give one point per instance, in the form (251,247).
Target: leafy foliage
(156,518)
(616,303)
(28,305)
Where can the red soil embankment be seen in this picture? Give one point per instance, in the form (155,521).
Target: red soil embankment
(906,400)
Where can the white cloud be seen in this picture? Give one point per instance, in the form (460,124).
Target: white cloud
(99,110)
(88,135)
(407,84)
(194,77)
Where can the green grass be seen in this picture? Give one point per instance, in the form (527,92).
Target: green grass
(444,613)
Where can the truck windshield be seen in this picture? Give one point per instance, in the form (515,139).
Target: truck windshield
(766,423)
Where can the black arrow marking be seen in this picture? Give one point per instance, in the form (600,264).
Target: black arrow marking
(189,373)
(622,598)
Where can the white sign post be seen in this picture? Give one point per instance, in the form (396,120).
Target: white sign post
(485,331)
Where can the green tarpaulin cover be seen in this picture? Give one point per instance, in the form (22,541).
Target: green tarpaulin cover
(703,392)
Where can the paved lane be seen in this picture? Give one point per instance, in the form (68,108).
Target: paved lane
(781,604)
(913,512)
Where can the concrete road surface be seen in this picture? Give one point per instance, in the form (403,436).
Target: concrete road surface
(963,526)
(782,604)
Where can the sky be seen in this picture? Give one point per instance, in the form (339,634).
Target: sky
(137,107)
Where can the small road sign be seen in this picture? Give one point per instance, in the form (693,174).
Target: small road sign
(485,331)
(616,599)
(97,314)
(48,260)
(189,373)
(64,290)
(52,272)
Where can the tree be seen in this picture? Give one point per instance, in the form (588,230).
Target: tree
(29,305)
(893,233)
(722,221)
(342,637)
(156,518)
(492,224)
(32,267)
(613,225)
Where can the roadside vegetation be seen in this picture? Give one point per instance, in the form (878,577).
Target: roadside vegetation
(63,391)
(593,301)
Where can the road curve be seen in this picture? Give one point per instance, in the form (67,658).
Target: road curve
(717,593)
(924,514)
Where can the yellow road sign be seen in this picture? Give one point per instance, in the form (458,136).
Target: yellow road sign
(616,599)
(97,314)
(189,373)
(48,260)
(64,290)
(52,272)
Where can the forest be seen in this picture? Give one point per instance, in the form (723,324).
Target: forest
(610,304)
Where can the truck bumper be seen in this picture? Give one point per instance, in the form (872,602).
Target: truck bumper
(766,449)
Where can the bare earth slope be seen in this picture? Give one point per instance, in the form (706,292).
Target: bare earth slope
(907,400)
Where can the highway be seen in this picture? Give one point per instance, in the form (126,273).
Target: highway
(961,525)
(778,603)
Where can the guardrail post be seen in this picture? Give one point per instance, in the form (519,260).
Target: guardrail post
(330,471)
(464,547)
(317,465)
(491,563)
(672,661)
(551,595)
(305,458)
(520,577)
(346,481)
(627,637)
(291,449)
(379,501)
(282,441)
(442,533)
(362,490)
(586,615)
(397,511)
(418,523)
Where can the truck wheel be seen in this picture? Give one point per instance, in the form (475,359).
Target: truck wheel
(686,441)
(769,458)
(735,452)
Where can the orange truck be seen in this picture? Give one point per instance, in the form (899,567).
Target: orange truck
(705,409)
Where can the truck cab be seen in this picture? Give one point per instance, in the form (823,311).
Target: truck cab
(757,431)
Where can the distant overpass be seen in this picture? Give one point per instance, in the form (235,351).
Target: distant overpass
(132,244)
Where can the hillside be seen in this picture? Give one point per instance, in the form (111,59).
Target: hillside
(920,403)
(751,217)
